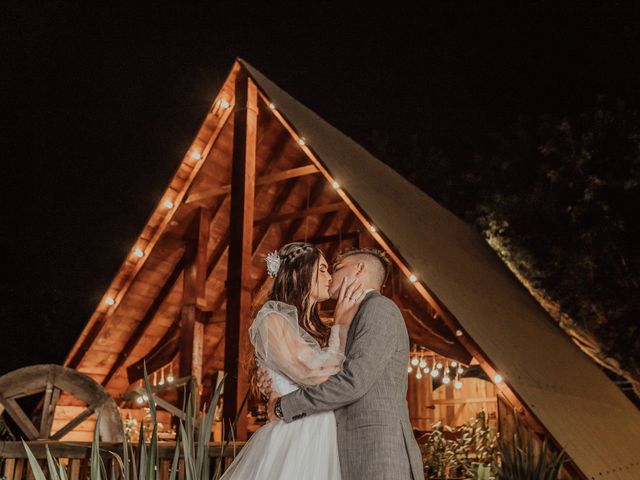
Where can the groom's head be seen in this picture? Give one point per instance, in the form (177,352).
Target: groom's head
(370,266)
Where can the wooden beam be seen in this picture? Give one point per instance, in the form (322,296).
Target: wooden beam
(318,210)
(192,317)
(86,413)
(264,180)
(240,251)
(319,240)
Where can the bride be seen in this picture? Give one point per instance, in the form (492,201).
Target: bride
(297,349)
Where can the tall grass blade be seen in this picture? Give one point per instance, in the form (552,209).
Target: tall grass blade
(35,466)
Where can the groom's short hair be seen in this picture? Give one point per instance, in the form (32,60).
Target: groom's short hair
(377,259)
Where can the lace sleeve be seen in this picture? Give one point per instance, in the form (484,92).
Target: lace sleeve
(282,345)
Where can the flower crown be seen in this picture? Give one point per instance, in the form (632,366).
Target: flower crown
(274,259)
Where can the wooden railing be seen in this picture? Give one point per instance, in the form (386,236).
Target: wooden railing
(14,464)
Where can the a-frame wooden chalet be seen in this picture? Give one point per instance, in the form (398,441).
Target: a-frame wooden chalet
(264,170)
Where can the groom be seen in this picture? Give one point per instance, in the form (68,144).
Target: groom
(375,439)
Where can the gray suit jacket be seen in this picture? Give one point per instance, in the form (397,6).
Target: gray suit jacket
(375,438)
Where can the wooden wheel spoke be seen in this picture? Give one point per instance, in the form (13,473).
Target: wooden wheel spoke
(18,416)
(86,413)
(48,410)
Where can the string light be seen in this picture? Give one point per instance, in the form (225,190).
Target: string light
(139,253)
(110,301)
(409,369)
(139,400)
(335,185)
(438,365)
(460,370)
(168,204)
(196,156)
(458,333)
(272,106)
(458,384)
(373,228)
(301,141)
(224,103)
(422,363)
(446,380)
(435,373)
(414,361)
(426,369)
(497,378)
(454,363)
(419,375)
(412,278)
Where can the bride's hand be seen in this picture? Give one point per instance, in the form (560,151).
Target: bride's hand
(349,298)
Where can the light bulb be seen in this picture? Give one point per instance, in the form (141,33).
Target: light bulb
(423,364)
(373,228)
(161,382)
(426,369)
(145,398)
(301,141)
(196,156)
(139,400)
(224,103)
(458,384)
(139,253)
(435,373)
(168,204)
(454,363)
(335,185)
(272,106)
(446,380)
(412,278)
(419,375)
(459,333)
(438,365)
(497,378)
(110,301)
(169,378)
(460,370)
(414,361)
(409,369)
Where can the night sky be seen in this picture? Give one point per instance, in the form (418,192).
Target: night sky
(100,103)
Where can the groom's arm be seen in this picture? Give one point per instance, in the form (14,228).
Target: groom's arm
(370,351)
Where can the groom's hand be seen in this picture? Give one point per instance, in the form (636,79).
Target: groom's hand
(271,409)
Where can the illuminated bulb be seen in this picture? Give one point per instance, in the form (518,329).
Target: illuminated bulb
(145,398)
(438,365)
(454,363)
(139,400)
(446,380)
(412,278)
(169,378)
(110,301)
(435,373)
(497,378)
(301,141)
(224,103)
(426,369)
(139,253)
(373,228)
(419,375)
(168,204)
(458,333)
(423,364)
(414,361)
(196,156)
(161,382)
(335,185)
(458,384)
(272,106)
(409,369)
(460,369)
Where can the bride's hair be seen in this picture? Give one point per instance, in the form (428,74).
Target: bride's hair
(297,275)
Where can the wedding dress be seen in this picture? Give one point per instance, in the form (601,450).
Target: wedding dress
(306,448)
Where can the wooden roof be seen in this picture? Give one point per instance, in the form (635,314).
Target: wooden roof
(312,182)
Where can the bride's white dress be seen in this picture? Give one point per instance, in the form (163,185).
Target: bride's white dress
(306,448)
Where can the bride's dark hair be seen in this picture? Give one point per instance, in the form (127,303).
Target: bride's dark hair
(297,275)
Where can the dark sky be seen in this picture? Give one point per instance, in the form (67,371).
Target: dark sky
(100,103)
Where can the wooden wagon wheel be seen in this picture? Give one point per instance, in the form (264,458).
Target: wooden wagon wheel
(52,380)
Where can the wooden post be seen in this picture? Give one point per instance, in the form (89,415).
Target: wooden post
(240,252)
(192,314)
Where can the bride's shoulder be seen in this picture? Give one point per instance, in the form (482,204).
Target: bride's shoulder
(275,306)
